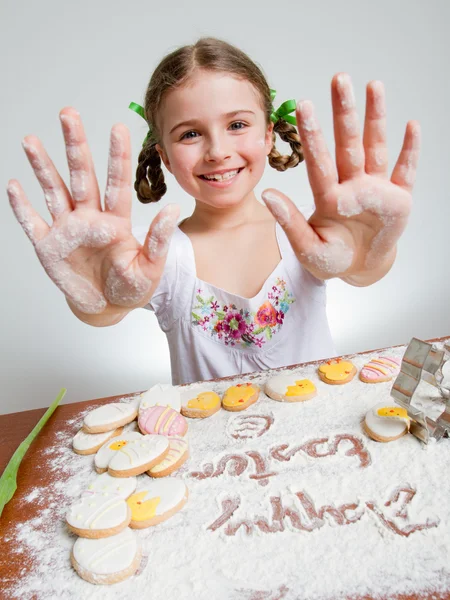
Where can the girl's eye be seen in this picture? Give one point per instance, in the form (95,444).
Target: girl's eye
(191,135)
(239,123)
(186,135)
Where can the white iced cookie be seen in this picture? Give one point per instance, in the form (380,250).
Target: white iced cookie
(89,443)
(386,422)
(157,501)
(107,560)
(109,449)
(290,388)
(177,456)
(161,394)
(106,484)
(98,515)
(109,416)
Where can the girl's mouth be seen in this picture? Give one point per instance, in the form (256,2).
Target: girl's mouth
(222,180)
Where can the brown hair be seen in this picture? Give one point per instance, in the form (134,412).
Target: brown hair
(172,72)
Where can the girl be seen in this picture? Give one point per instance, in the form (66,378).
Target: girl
(238,286)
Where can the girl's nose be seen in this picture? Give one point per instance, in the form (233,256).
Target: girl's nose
(218,149)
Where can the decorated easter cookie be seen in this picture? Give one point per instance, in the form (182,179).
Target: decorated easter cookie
(177,456)
(109,417)
(200,406)
(385,423)
(89,443)
(379,369)
(161,395)
(98,515)
(107,560)
(290,388)
(157,501)
(106,484)
(240,396)
(337,371)
(131,454)
(162,420)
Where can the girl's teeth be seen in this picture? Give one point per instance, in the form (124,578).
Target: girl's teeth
(223,177)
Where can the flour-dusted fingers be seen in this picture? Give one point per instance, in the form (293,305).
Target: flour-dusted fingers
(118,183)
(83,181)
(404,173)
(374,138)
(158,238)
(319,164)
(56,194)
(349,145)
(32,223)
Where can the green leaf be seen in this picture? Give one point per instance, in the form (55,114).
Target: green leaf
(200,299)
(196,317)
(220,315)
(268,333)
(258,331)
(8,481)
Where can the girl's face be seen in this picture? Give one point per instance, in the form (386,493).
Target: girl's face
(215,125)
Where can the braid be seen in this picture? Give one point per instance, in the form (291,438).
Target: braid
(288,133)
(149,184)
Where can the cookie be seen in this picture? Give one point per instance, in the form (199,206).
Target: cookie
(105,483)
(109,417)
(177,456)
(161,395)
(201,405)
(98,515)
(107,560)
(290,388)
(385,423)
(240,396)
(162,420)
(379,369)
(131,454)
(337,371)
(157,501)
(89,443)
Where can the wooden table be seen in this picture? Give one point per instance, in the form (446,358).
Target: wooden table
(13,429)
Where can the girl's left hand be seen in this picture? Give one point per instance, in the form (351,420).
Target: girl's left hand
(359,212)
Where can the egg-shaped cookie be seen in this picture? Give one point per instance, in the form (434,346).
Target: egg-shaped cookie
(157,501)
(337,371)
(290,388)
(380,369)
(200,405)
(386,422)
(109,417)
(240,396)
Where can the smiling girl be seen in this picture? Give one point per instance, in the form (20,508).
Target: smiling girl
(239,285)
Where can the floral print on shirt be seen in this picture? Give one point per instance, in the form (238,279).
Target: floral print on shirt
(241,327)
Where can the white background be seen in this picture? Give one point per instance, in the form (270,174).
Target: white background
(99,55)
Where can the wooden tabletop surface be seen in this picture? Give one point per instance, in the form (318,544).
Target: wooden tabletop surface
(33,472)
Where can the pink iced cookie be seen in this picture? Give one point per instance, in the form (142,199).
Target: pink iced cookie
(162,420)
(379,369)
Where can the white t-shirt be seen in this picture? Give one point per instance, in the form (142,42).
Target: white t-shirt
(213,333)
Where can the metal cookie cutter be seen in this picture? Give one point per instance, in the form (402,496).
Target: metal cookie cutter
(423,361)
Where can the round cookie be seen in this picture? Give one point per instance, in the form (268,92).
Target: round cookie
(106,484)
(157,501)
(98,515)
(385,423)
(162,420)
(380,369)
(240,396)
(200,406)
(177,456)
(107,560)
(161,395)
(109,416)
(108,450)
(337,371)
(89,443)
(290,388)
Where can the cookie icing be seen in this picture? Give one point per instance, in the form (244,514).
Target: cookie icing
(381,367)
(203,401)
(85,441)
(379,420)
(108,450)
(161,395)
(156,498)
(177,447)
(238,394)
(106,484)
(107,556)
(98,511)
(162,420)
(139,452)
(290,385)
(110,413)
(336,370)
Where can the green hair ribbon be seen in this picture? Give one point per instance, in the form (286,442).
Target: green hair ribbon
(140,111)
(283,112)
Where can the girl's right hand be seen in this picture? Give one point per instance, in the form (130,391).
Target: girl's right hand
(89,251)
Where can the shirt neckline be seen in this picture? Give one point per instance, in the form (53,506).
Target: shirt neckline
(221,290)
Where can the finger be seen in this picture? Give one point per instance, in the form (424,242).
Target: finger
(83,181)
(118,183)
(34,226)
(404,173)
(319,164)
(156,244)
(374,138)
(56,194)
(297,228)
(349,147)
